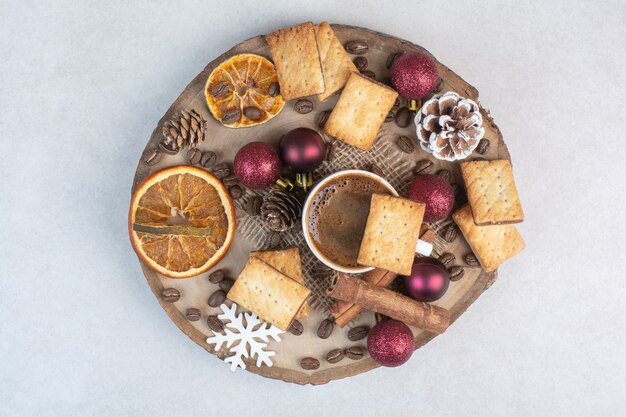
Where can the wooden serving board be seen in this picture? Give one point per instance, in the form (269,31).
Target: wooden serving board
(250,232)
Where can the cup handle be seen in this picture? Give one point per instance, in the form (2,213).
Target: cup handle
(423,247)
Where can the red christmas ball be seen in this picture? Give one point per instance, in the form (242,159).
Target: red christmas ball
(414,75)
(390,343)
(302,149)
(257,165)
(429,280)
(435,192)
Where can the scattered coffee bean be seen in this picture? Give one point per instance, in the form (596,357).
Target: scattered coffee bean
(193,156)
(273,90)
(216,276)
(217,298)
(296,328)
(357,47)
(361,63)
(358,333)
(403,117)
(208,158)
(231,116)
(483,146)
(303,106)
(392,58)
(253,205)
(226,284)
(369,74)
(396,104)
(376,170)
(235,192)
(449,233)
(193,314)
(170,295)
(309,364)
(323,118)
(391,116)
(335,355)
(423,167)
(330,151)
(405,144)
(252,112)
(153,157)
(230,180)
(220,89)
(386,81)
(215,324)
(355,352)
(165,149)
(471,260)
(325,329)
(272,240)
(445,174)
(221,170)
(456,273)
(447,259)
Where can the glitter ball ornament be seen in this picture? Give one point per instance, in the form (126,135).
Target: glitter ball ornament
(429,280)
(302,149)
(414,75)
(390,343)
(257,165)
(436,193)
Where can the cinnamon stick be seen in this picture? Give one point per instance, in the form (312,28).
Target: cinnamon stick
(421,315)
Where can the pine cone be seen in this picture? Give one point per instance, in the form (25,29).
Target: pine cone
(280,210)
(449,126)
(184,130)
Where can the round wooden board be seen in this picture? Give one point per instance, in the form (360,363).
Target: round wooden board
(225,142)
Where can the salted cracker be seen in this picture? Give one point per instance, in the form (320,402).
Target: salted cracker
(391,233)
(491,244)
(360,111)
(336,63)
(491,192)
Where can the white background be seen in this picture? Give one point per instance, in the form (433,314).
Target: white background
(82,85)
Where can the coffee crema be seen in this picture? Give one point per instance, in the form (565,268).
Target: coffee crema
(337,216)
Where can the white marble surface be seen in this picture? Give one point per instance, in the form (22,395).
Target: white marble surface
(82,85)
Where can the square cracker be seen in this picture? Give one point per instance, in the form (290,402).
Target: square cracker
(360,111)
(491,192)
(274,297)
(391,233)
(297,61)
(287,262)
(493,244)
(336,63)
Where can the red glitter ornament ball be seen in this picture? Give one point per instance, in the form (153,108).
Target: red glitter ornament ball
(435,192)
(303,149)
(390,343)
(414,75)
(257,165)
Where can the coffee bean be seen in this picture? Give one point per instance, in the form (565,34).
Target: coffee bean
(483,146)
(445,174)
(449,233)
(330,151)
(391,116)
(153,157)
(208,158)
(272,240)
(323,118)
(193,314)
(215,324)
(221,170)
(325,329)
(273,90)
(405,144)
(447,259)
(456,273)
(230,180)
(231,116)
(217,298)
(361,63)
(193,156)
(253,205)
(423,167)
(376,170)
(216,276)
(235,192)
(355,352)
(296,328)
(358,333)
(220,89)
(252,112)
(309,364)
(392,58)
(303,106)
(369,74)
(396,104)
(356,47)
(226,284)
(403,117)
(170,295)
(472,260)
(335,355)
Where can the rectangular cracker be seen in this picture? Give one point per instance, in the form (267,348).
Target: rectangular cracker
(492,244)
(336,63)
(491,192)
(391,233)
(297,61)
(360,111)
(287,262)
(275,298)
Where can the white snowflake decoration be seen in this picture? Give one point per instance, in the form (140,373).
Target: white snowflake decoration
(247,334)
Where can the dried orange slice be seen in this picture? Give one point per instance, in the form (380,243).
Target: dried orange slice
(181,221)
(237,91)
